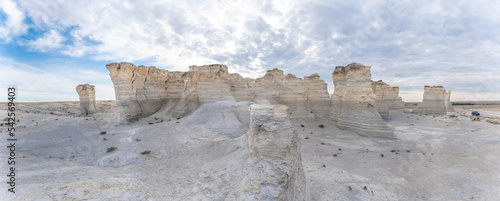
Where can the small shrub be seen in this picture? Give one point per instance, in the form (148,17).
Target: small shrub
(138,140)
(334,155)
(145,152)
(408,151)
(302,125)
(382,155)
(111,149)
(492,122)
(324,165)
(322,143)
(365,188)
(350,188)
(321,126)
(104,139)
(340,149)
(103,133)
(151,123)
(393,150)
(178,118)
(306,138)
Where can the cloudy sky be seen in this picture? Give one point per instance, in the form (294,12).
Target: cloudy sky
(49,47)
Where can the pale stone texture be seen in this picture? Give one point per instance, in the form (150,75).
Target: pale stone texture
(353,102)
(86,92)
(273,169)
(142,91)
(447,103)
(386,98)
(434,101)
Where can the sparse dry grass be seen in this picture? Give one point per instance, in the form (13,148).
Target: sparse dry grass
(492,122)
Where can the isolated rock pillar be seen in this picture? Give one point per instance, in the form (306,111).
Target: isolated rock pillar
(87,99)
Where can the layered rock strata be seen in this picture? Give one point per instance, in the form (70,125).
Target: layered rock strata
(436,101)
(142,91)
(447,103)
(273,169)
(86,92)
(353,102)
(386,98)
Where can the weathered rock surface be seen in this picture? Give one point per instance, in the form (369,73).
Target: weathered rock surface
(273,169)
(86,92)
(142,91)
(447,103)
(353,102)
(434,101)
(386,98)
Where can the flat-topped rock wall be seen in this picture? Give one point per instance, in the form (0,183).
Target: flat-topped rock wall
(434,101)
(142,91)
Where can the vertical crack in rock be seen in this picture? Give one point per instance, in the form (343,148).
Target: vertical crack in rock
(353,102)
(273,169)
(86,93)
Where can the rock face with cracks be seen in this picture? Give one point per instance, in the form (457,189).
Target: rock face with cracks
(273,169)
(353,102)
(141,91)
(86,92)
(434,101)
(386,98)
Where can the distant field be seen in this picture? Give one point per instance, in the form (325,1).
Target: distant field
(464,105)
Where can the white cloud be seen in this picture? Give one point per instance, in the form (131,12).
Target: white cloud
(49,41)
(408,43)
(13,25)
(57,84)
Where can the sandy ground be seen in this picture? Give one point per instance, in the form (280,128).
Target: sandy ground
(62,156)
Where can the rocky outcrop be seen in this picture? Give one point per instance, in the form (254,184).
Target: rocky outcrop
(353,102)
(273,169)
(447,103)
(386,98)
(86,92)
(434,101)
(142,91)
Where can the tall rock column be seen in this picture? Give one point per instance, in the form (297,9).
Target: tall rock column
(273,169)
(433,102)
(87,99)
(355,102)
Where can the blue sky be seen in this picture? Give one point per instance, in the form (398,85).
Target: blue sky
(47,48)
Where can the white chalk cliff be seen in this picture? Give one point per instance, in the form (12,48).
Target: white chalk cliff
(142,91)
(386,98)
(86,92)
(353,102)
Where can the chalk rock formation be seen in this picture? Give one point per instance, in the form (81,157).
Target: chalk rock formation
(433,102)
(354,102)
(273,169)
(447,103)
(142,91)
(386,98)
(139,91)
(87,99)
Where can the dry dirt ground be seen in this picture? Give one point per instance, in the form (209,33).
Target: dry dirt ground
(62,156)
